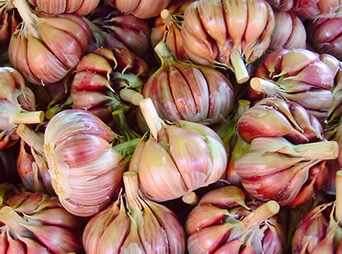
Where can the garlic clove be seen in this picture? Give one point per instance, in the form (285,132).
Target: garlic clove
(158,174)
(55,216)
(87,7)
(204,216)
(22,203)
(231,247)
(158,89)
(296,59)
(236,20)
(310,231)
(273,63)
(43,64)
(151,232)
(67,50)
(325,78)
(257,14)
(3,242)
(212,18)
(283,25)
(218,159)
(92,234)
(34,247)
(218,89)
(114,235)
(225,197)
(15,246)
(182,94)
(89,80)
(52,6)
(94,63)
(133,244)
(172,227)
(326,245)
(207,240)
(191,155)
(198,85)
(57,239)
(84,99)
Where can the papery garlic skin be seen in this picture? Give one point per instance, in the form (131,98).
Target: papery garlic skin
(85,171)
(36,223)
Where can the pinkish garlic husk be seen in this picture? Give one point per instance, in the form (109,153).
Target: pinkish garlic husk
(176,158)
(225,222)
(134,224)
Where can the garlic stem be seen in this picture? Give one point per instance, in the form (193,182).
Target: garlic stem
(124,130)
(128,147)
(239,67)
(261,214)
(338,206)
(167,17)
(13,221)
(27,16)
(130,180)
(29,117)
(164,53)
(263,86)
(190,198)
(151,116)
(31,138)
(131,96)
(318,150)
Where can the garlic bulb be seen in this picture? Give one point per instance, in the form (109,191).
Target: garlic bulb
(177,158)
(85,171)
(298,170)
(36,223)
(134,224)
(181,91)
(223,223)
(36,53)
